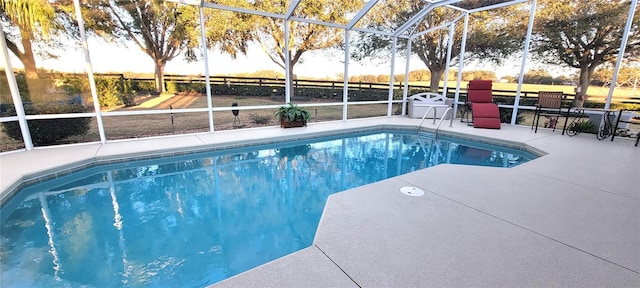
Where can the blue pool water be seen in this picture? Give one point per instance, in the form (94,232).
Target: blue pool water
(194,220)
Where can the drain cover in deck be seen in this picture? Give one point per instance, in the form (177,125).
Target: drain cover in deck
(412,191)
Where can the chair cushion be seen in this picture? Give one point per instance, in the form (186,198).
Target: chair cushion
(486,115)
(491,123)
(485,110)
(480,96)
(479,85)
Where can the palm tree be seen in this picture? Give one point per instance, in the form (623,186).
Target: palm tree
(31,17)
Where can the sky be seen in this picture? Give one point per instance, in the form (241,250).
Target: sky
(110,58)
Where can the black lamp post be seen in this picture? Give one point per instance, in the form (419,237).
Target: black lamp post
(235,112)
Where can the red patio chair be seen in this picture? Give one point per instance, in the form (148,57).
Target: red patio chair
(485,113)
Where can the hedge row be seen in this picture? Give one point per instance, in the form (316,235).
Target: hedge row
(355,94)
(49,131)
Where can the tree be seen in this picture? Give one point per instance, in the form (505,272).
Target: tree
(584,35)
(601,76)
(303,37)
(478,74)
(491,36)
(419,75)
(160,29)
(35,20)
(509,79)
(537,76)
(627,76)
(383,78)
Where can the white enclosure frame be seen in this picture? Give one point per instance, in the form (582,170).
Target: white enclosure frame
(407,32)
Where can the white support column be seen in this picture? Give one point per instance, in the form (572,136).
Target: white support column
(287,65)
(525,53)
(463,48)
(405,89)
(15,93)
(345,87)
(623,44)
(92,81)
(448,62)
(392,68)
(207,79)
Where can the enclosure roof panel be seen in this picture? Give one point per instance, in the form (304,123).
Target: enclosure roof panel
(475,4)
(363,15)
(275,6)
(383,15)
(333,12)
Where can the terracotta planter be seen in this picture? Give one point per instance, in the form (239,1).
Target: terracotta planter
(288,124)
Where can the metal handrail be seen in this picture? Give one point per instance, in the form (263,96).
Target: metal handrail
(448,111)
(435,112)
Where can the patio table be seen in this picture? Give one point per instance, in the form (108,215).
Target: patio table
(605,129)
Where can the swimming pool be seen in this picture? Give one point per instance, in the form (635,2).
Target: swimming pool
(197,219)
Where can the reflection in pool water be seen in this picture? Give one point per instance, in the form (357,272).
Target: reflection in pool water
(198,219)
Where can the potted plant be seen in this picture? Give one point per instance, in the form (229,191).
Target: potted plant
(292,115)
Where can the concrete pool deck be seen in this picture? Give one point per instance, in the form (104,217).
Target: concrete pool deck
(568,218)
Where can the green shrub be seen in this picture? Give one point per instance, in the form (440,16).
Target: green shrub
(72,84)
(21,80)
(128,93)
(172,87)
(355,93)
(242,90)
(114,91)
(23,87)
(509,100)
(143,86)
(48,131)
(186,86)
(108,89)
(626,106)
(592,104)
